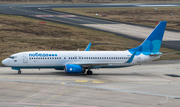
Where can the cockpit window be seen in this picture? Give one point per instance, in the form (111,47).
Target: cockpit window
(13,57)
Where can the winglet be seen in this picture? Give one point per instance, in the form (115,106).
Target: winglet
(88,47)
(131,58)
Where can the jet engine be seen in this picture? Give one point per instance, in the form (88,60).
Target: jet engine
(71,68)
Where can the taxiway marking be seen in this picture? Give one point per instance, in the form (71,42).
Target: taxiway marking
(98,81)
(61,94)
(20,79)
(81,81)
(32,96)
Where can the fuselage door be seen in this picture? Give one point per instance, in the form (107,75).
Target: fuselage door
(139,59)
(25,58)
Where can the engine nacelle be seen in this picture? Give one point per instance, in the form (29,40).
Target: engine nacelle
(71,68)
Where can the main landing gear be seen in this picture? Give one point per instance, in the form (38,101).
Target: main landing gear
(89,72)
(19,71)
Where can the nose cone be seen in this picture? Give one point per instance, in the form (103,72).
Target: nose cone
(5,62)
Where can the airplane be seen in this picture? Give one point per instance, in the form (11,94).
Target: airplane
(84,61)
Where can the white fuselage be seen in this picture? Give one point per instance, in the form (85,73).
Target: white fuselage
(58,59)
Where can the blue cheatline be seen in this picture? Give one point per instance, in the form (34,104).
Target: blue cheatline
(152,43)
(131,58)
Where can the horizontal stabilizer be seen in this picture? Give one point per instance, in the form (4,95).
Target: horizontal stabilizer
(155,54)
(159,53)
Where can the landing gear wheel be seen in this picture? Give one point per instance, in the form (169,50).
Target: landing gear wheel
(89,72)
(19,72)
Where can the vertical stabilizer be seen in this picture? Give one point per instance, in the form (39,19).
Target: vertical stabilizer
(152,43)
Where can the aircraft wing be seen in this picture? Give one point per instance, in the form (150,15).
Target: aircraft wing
(92,64)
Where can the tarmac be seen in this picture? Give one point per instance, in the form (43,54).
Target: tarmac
(154,84)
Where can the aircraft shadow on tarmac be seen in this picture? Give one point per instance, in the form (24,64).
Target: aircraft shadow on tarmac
(79,74)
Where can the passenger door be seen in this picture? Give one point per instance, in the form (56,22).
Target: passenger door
(25,58)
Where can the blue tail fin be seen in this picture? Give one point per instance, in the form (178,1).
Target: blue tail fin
(152,43)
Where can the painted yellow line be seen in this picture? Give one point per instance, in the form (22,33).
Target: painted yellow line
(98,81)
(61,94)
(63,83)
(81,81)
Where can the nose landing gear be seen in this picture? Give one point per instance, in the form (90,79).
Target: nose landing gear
(19,71)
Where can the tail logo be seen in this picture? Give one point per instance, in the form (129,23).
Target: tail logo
(152,43)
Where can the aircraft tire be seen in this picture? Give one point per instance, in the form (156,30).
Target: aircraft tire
(89,72)
(19,72)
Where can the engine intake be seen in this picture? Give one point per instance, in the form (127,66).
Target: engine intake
(71,68)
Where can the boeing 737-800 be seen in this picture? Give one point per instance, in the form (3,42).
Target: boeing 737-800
(84,61)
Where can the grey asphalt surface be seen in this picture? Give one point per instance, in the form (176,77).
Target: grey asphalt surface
(32,10)
(154,84)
